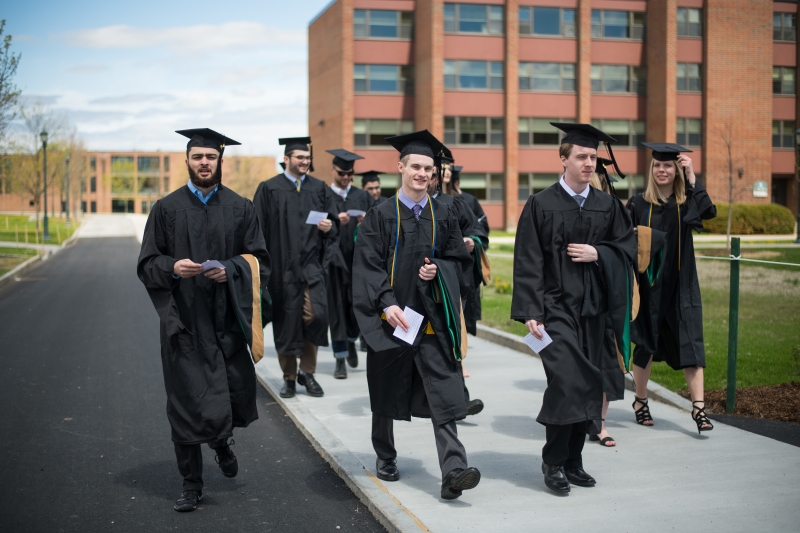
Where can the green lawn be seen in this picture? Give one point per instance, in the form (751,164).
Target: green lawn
(769,322)
(13,228)
(500,233)
(11,257)
(781,255)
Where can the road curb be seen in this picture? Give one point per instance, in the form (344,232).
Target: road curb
(515,342)
(387,509)
(22,268)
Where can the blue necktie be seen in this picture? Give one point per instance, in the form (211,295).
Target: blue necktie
(578,198)
(417,210)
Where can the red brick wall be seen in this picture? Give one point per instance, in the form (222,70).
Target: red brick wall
(584,69)
(428,65)
(661,54)
(511,114)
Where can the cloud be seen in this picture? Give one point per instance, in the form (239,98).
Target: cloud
(202,37)
(132,99)
(44,99)
(86,69)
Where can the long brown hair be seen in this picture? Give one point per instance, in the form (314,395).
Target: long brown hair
(654,196)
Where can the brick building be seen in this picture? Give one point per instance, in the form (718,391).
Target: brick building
(130,182)
(487,76)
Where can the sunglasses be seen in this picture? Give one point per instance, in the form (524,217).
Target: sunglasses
(343,173)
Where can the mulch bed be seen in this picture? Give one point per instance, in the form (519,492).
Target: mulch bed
(774,402)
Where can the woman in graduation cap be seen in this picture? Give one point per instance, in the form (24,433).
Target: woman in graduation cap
(670,324)
(573,248)
(410,256)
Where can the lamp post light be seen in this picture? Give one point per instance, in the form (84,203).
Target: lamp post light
(797,178)
(43,137)
(66,179)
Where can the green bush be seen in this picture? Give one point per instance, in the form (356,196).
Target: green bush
(501,286)
(752,219)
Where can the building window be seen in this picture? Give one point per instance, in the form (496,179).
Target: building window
(784,27)
(382,24)
(618,79)
(529,184)
(473,18)
(783,133)
(121,185)
(121,164)
(93,184)
(546,21)
(473,130)
(148,185)
(473,74)
(688,75)
(550,77)
(617,24)
(94,207)
(538,131)
(483,186)
(689,132)
(166,185)
(383,79)
(689,22)
(147,165)
(626,132)
(371,132)
(122,206)
(93,163)
(166,164)
(783,80)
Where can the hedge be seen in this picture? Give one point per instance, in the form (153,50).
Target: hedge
(752,219)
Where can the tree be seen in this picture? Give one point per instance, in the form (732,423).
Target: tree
(9,94)
(727,137)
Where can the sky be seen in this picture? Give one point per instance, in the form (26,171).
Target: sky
(128,74)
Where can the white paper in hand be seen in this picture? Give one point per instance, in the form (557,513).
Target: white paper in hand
(356,212)
(535,344)
(211,263)
(315,217)
(414,320)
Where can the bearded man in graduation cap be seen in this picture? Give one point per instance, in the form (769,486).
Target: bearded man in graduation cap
(301,253)
(209,317)
(410,257)
(572,242)
(349,199)
(371,182)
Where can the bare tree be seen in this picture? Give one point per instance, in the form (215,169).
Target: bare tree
(9,94)
(726,135)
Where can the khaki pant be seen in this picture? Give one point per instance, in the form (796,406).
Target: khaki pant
(308,359)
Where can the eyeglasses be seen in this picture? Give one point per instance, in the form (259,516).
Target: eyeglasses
(343,173)
(301,158)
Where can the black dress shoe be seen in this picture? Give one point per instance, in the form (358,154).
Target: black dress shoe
(226,459)
(312,387)
(459,479)
(555,478)
(474,407)
(340,372)
(188,501)
(387,470)
(288,389)
(577,476)
(352,355)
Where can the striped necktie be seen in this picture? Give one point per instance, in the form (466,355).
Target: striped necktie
(298,182)
(417,210)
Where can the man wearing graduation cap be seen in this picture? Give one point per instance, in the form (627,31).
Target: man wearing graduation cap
(208,373)
(410,255)
(371,182)
(301,252)
(562,234)
(349,199)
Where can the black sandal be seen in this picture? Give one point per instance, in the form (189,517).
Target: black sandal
(596,438)
(642,413)
(700,418)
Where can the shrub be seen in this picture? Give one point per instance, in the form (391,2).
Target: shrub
(752,219)
(501,286)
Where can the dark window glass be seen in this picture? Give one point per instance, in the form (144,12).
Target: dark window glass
(626,132)
(147,165)
(617,24)
(618,79)
(383,24)
(783,133)
(148,185)
(473,74)
(93,163)
(473,18)
(784,27)
(166,164)
(546,21)
(689,22)
(783,80)
(166,185)
(360,23)
(93,184)
(371,132)
(474,130)
(94,207)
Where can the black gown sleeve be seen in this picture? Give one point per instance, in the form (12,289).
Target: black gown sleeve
(699,204)
(154,267)
(527,300)
(255,244)
(260,203)
(456,251)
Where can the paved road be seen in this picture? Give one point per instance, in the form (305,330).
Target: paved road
(86,444)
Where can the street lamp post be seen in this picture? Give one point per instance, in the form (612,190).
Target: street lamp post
(797,179)
(66,179)
(43,137)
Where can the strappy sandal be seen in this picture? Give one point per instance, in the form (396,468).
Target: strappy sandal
(700,418)
(642,413)
(596,438)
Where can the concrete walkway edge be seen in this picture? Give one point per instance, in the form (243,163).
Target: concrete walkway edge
(28,264)
(387,509)
(515,342)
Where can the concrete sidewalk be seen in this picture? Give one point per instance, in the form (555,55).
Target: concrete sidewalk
(663,478)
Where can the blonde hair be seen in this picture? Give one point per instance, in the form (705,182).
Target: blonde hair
(599,183)
(653,195)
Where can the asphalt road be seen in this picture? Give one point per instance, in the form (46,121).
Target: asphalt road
(87,445)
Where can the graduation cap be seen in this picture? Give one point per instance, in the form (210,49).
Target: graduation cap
(456,173)
(601,169)
(587,136)
(298,143)
(369,176)
(421,143)
(207,138)
(344,159)
(666,151)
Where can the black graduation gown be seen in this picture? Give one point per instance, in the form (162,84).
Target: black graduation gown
(568,297)
(390,362)
(208,373)
(300,255)
(673,329)
(475,206)
(380,200)
(340,289)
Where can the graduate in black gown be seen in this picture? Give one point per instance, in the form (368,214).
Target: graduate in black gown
(371,182)
(670,324)
(343,325)
(208,372)
(410,253)
(564,235)
(453,188)
(301,254)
